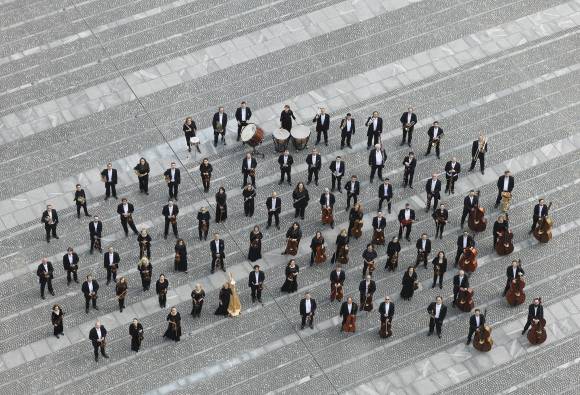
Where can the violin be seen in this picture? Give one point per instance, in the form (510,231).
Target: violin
(357,228)
(537,333)
(368,305)
(505,245)
(516,295)
(320,256)
(468,260)
(349,325)
(291,247)
(379,237)
(476,220)
(327,216)
(386,330)
(465,300)
(543,231)
(342,254)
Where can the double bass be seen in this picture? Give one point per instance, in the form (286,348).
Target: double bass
(543,231)
(320,256)
(350,323)
(468,260)
(482,340)
(505,245)
(327,217)
(385,330)
(476,220)
(537,333)
(465,300)
(515,296)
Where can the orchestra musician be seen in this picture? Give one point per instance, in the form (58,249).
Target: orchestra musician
(142,170)
(45,274)
(441,216)
(170,212)
(322,121)
(136,333)
(50,220)
(291,282)
(293,236)
(341,252)
(243,115)
(90,288)
(409,283)
(190,129)
(221,201)
(379,225)
(205,169)
(513,272)
(410,162)
(219,123)
(408,121)
(337,278)
(203,217)
(377,159)
(464,241)
(437,310)
(224,300)
(307,310)
(423,246)
(393,250)
(144,240)
(460,283)
(249,194)
(469,203)
(80,200)
(385,193)
(180,256)
(97,337)
(505,183)
(478,151)
(285,161)
(95,234)
(540,211)
(406,218)
(348,310)
(173,179)
(256,280)
(439,268)
(387,312)
(356,214)
(121,292)
(337,169)
(274,207)
(352,188)
(433,189)
(286,117)
(316,243)
(249,165)
(70,262)
(369,256)
(145,271)
(435,133)
(173,331)
(56,318)
(535,313)
(161,288)
(347,129)
(197,297)
(375,129)
(366,288)
(452,170)
(109,177)
(476,321)
(255,251)
(217,248)
(125,211)
(327,201)
(300,197)
(500,226)
(314,162)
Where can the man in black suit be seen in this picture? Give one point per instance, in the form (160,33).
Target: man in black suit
(170,212)
(249,165)
(90,288)
(219,123)
(441,216)
(406,217)
(243,115)
(125,211)
(460,283)
(535,313)
(375,128)
(463,241)
(217,248)
(423,246)
(111,260)
(377,159)
(410,162)
(385,193)
(347,308)
(173,179)
(505,183)
(452,170)
(285,161)
(50,220)
(327,200)
(352,188)
(97,337)
(337,169)
(366,287)
(387,310)
(95,233)
(109,177)
(81,201)
(433,189)
(435,133)
(379,224)
(437,310)
(322,120)
(478,150)
(256,283)
(540,211)
(512,272)
(274,207)
(408,121)
(314,162)
(45,273)
(476,321)
(469,203)
(347,129)
(70,263)
(337,279)
(307,310)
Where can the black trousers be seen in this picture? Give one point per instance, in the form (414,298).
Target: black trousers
(213,263)
(439,227)
(73,274)
(373,139)
(88,300)
(124,224)
(110,189)
(285,171)
(111,274)
(435,323)
(256,292)
(216,135)
(534,221)
(378,170)
(528,324)
(408,230)
(173,189)
(276,218)
(43,284)
(135,343)
(421,258)
(196,309)
(202,234)
(96,347)
(435,199)
(349,196)
(325,132)
(84,207)
(310,319)
(470,334)
(311,171)
(465,214)
(459,253)
(249,207)
(299,211)
(450,185)
(162,299)
(253,178)
(408,178)
(145,251)
(481,162)
(381,200)
(438,277)
(345,137)
(408,135)
(173,226)
(240,127)
(336,180)
(144,183)
(429,146)
(121,303)
(507,286)
(205,182)
(50,229)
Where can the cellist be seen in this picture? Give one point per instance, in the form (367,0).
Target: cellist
(540,211)
(337,278)
(476,321)
(367,288)
(348,312)
(387,312)
(535,313)
(513,272)
(327,200)
(499,227)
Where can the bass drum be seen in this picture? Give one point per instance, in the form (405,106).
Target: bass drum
(280,137)
(252,135)
(300,136)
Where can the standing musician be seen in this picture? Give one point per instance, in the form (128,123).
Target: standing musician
(377,159)
(90,288)
(144,240)
(219,123)
(243,115)
(109,177)
(97,337)
(307,310)
(437,310)
(439,269)
(410,162)
(300,198)
(205,169)
(274,207)
(136,333)
(385,193)
(337,278)
(170,212)
(293,236)
(441,216)
(369,256)
(70,262)
(314,162)
(337,169)
(423,246)
(366,288)
(249,194)
(95,234)
(249,165)
(352,188)
(327,201)
(190,129)
(217,248)
(355,216)
(500,226)
(173,179)
(203,218)
(173,330)
(50,220)
(469,203)
(221,202)
(408,121)
(197,297)
(45,273)
(387,311)
(161,288)
(121,292)
(464,241)
(256,283)
(286,117)
(111,260)
(81,201)
(375,128)
(145,271)
(433,189)
(316,243)
(513,272)
(435,133)
(348,309)
(460,283)
(285,161)
(379,225)
(56,318)
(142,170)
(478,151)
(125,211)
(476,322)
(505,183)
(406,218)
(347,129)
(322,120)
(452,170)
(393,250)
(535,313)
(540,211)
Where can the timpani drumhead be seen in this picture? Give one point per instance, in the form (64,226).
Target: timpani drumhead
(195,140)
(248,132)
(281,134)
(300,132)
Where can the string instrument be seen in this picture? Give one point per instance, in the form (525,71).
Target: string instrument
(167,179)
(349,324)
(114,268)
(96,244)
(465,300)
(205,177)
(357,226)
(385,330)
(482,340)
(129,218)
(74,268)
(537,333)
(291,247)
(219,262)
(146,275)
(177,259)
(204,226)
(336,291)
(93,295)
(506,198)
(505,245)
(515,296)
(255,243)
(371,266)
(58,320)
(327,217)
(140,336)
(252,172)
(173,219)
(476,220)
(543,231)
(123,294)
(368,304)
(379,237)
(320,255)
(81,200)
(393,262)
(342,254)
(468,260)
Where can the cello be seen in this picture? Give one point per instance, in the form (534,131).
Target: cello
(393,262)
(465,300)
(385,330)
(327,217)
(349,325)
(543,231)
(379,237)
(476,220)
(357,227)
(537,333)
(516,295)
(482,340)
(468,260)
(320,256)
(336,292)
(368,304)
(342,255)
(291,247)
(505,245)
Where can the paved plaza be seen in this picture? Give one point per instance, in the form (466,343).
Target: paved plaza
(86,82)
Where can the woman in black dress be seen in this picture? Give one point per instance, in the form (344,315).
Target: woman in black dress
(181,256)
(142,171)
(224,297)
(393,249)
(286,118)
(293,233)
(161,287)
(205,170)
(203,218)
(409,280)
(255,252)
(173,331)
(56,318)
(249,193)
(145,270)
(136,332)
(197,297)
(144,240)
(316,242)
(221,205)
(291,283)
(301,198)
(439,269)
(189,129)
(341,244)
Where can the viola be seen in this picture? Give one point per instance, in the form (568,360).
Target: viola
(465,300)
(320,256)
(342,255)
(349,324)
(357,228)
(327,217)
(386,330)
(482,340)
(476,220)
(516,295)
(468,260)
(505,245)
(379,237)
(291,247)
(537,333)
(543,231)
(368,305)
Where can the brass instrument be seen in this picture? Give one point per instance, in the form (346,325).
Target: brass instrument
(167,179)
(506,198)
(436,141)
(480,148)
(81,200)
(218,128)
(408,126)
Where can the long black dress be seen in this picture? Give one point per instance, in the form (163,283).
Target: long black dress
(221,207)
(255,252)
(57,322)
(146,273)
(173,331)
(249,196)
(136,333)
(408,285)
(286,119)
(291,283)
(197,302)
(182,264)
(222,309)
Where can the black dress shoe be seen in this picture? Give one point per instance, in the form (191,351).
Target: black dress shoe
(468,342)
(439,335)
(429,334)
(105,356)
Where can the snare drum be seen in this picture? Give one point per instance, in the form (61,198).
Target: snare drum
(280,137)
(252,135)
(300,136)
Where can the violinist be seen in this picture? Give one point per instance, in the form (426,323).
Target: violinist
(70,262)
(203,218)
(341,252)
(249,165)
(367,288)
(337,278)
(369,255)
(439,269)
(355,221)
(441,216)
(464,241)
(513,272)
(314,162)
(385,193)
(205,169)
(423,246)
(291,284)
(142,170)
(327,201)
(379,225)
(460,283)
(393,250)
(540,211)
(499,228)
(125,211)
(285,161)
(170,211)
(293,236)
(316,244)
(476,321)
(406,218)
(161,288)
(217,248)
(410,162)
(348,312)
(505,183)
(469,203)
(256,283)
(80,200)
(307,310)
(144,240)
(535,313)
(433,190)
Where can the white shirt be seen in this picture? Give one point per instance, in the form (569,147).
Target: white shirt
(257,274)
(217,245)
(172,175)
(327,200)
(514,271)
(385,188)
(49,213)
(273,203)
(409,115)
(535,310)
(90,284)
(220,115)
(348,125)
(126,208)
(476,320)
(243,114)
(423,242)
(367,286)
(170,210)
(378,157)
(387,308)
(349,306)
(45,267)
(111,257)
(285,159)
(540,209)
(249,163)
(70,258)
(464,241)
(99,337)
(337,167)
(435,132)
(322,118)
(471,200)
(307,305)
(313,160)
(433,184)
(506,181)
(437,310)
(407,213)
(460,280)
(110,174)
(375,122)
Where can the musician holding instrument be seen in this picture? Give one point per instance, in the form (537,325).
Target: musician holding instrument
(80,200)
(217,248)
(406,218)
(90,288)
(203,218)
(513,272)
(70,262)
(136,333)
(409,283)
(307,310)
(197,297)
(341,252)
(500,226)
(142,170)
(379,225)
(476,322)
(352,188)
(393,250)
(375,129)
(464,241)
(355,221)
(97,336)
(439,269)
(291,282)
(170,211)
(385,193)
(366,289)
(180,261)
(408,121)
(121,290)
(161,288)
(285,161)
(316,244)
(286,117)
(423,246)
(433,190)
(337,278)
(348,311)
(243,115)
(337,168)
(56,319)
(441,216)
(205,169)
(300,198)
(173,331)
(377,159)
(255,251)
(173,179)
(435,134)
(535,314)
(505,183)
(144,240)
(540,211)
(249,165)
(190,129)
(274,207)
(249,196)
(109,177)
(327,201)
(322,121)
(437,312)
(369,257)
(50,220)
(470,202)
(452,170)
(145,271)
(478,151)
(293,236)
(460,283)
(95,234)
(224,300)
(125,211)
(45,274)
(314,162)
(387,312)
(347,129)
(219,123)
(410,163)
(256,280)
(221,202)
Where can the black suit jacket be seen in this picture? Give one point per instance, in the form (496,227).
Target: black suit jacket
(419,244)
(85,289)
(404,117)
(431,132)
(116,259)
(177,175)
(473,324)
(318,163)
(253,164)
(470,241)
(457,284)
(336,278)
(442,312)
(369,123)
(66,263)
(468,204)
(379,224)
(303,306)
(353,189)
(412,163)
(40,270)
(220,249)
(510,272)
(79,194)
(331,199)
(130,209)
(289,161)
(216,119)
(388,194)
(510,183)
(537,210)
(95,230)
(362,287)
(54,217)
(373,158)
(401,215)
(344,309)
(252,278)
(105,173)
(321,126)
(93,335)
(475,146)
(389,314)
(278,204)
(165,210)
(341,168)
(343,126)
(239,114)
(448,168)
(441,214)
(539,315)
(434,192)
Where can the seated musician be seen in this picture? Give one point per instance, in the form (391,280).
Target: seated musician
(327,201)
(367,288)
(499,227)
(379,225)
(316,243)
